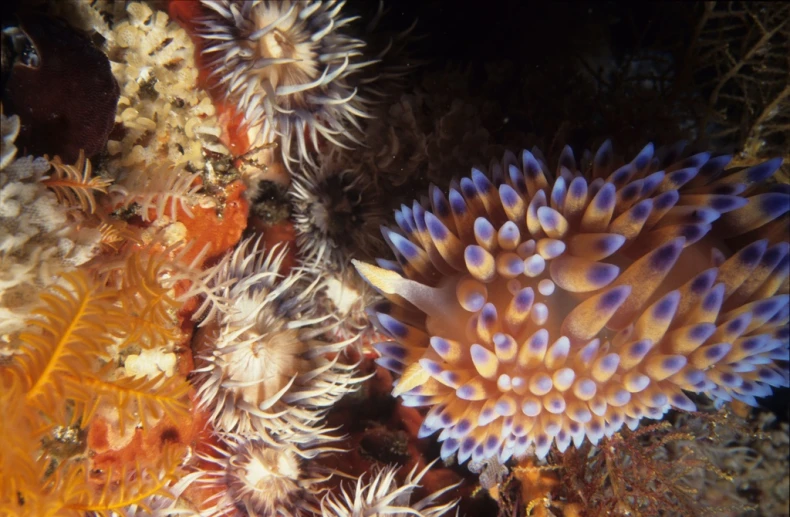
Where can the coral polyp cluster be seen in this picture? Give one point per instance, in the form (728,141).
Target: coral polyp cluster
(531,308)
(286,68)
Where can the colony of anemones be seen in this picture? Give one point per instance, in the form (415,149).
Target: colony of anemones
(532,308)
(287,68)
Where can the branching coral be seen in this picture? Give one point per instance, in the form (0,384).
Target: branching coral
(740,50)
(382,495)
(160,192)
(531,310)
(654,470)
(260,367)
(288,68)
(74,185)
(743,461)
(43,231)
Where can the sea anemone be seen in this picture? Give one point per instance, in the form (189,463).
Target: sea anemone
(337,214)
(530,310)
(383,496)
(343,298)
(260,367)
(260,479)
(287,67)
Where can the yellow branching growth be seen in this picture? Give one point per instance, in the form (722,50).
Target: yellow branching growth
(140,399)
(67,335)
(119,490)
(19,474)
(73,184)
(115,233)
(75,492)
(70,335)
(67,372)
(149,306)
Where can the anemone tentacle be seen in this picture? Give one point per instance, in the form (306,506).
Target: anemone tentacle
(383,496)
(531,308)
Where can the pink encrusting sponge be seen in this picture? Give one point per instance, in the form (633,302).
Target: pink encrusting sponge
(528,310)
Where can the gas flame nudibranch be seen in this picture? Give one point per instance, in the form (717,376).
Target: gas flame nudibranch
(530,308)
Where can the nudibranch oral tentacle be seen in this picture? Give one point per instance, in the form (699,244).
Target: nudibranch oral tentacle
(531,309)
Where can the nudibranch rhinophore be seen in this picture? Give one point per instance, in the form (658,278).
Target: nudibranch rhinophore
(288,68)
(531,308)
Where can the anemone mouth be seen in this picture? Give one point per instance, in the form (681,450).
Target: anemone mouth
(531,309)
(340,210)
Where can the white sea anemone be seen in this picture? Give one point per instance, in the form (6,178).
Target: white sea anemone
(262,480)
(383,496)
(343,298)
(337,215)
(261,367)
(287,66)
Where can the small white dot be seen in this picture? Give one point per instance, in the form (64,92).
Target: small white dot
(546,287)
(539,313)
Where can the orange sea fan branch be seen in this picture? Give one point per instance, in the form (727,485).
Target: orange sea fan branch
(140,399)
(20,472)
(72,328)
(150,304)
(73,184)
(132,486)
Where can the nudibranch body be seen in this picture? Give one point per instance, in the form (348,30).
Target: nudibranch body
(531,309)
(287,67)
